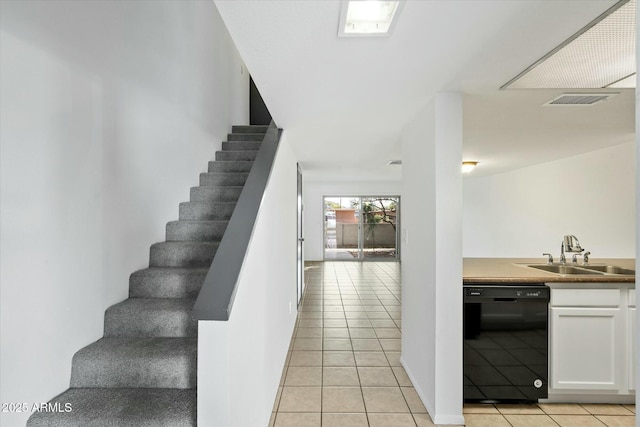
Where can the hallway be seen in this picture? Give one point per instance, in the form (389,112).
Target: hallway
(343,367)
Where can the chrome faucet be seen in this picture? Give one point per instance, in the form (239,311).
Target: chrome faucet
(570,244)
(549,258)
(585,258)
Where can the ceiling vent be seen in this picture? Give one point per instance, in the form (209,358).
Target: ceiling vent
(394,162)
(579,99)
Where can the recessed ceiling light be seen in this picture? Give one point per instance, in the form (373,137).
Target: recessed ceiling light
(394,162)
(368,17)
(579,99)
(468,166)
(600,55)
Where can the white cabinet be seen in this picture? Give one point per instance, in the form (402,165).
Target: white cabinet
(585,348)
(589,340)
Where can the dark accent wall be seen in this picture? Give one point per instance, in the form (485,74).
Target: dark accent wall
(258,112)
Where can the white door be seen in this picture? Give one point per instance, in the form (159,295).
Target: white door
(300,252)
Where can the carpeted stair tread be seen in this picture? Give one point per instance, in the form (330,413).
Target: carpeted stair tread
(245,136)
(167,282)
(206,211)
(239,155)
(219,194)
(241,145)
(223,179)
(121,407)
(182,254)
(143,372)
(199,231)
(249,129)
(137,363)
(230,166)
(151,317)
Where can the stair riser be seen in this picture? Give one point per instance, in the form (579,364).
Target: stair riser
(165,255)
(166,283)
(195,231)
(230,166)
(249,129)
(203,211)
(226,156)
(126,320)
(176,372)
(215,194)
(245,137)
(241,145)
(223,179)
(120,408)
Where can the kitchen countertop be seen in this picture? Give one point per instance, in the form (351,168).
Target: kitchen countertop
(514,270)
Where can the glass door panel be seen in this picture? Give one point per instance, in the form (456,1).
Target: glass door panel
(341,228)
(379,230)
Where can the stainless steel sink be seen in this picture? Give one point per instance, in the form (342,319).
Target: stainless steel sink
(610,269)
(564,269)
(584,269)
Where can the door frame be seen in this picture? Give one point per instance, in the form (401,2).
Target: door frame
(300,237)
(360,228)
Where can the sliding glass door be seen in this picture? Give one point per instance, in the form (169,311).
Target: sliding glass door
(341,228)
(379,231)
(361,228)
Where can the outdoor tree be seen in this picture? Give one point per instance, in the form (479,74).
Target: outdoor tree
(378,210)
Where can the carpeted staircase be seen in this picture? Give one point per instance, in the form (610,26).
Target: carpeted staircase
(143,371)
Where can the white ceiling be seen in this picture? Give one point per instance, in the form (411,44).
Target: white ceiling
(344,101)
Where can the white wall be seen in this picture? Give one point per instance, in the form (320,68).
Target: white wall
(240,361)
(432,256)
(637,198)
(109,112)
(526,212)
(315,191)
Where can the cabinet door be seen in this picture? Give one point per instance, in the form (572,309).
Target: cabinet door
(632,348)
(587,348)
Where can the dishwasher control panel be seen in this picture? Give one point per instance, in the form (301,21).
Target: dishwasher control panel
(527,291)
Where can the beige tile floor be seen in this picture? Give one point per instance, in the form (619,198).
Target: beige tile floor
(343,367)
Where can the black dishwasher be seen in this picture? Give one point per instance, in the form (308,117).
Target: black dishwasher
(505,342)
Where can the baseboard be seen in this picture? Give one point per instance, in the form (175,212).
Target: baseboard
(438,419)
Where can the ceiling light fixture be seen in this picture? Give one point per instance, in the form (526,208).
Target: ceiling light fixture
(468,166)
(600,55)
(368,17)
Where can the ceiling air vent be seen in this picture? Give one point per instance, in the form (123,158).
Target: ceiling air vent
(394,162)
(579,99)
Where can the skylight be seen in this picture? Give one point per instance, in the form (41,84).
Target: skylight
(601,55)
(367,17)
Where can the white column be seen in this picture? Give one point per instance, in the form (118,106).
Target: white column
(432,256)
(448,149)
